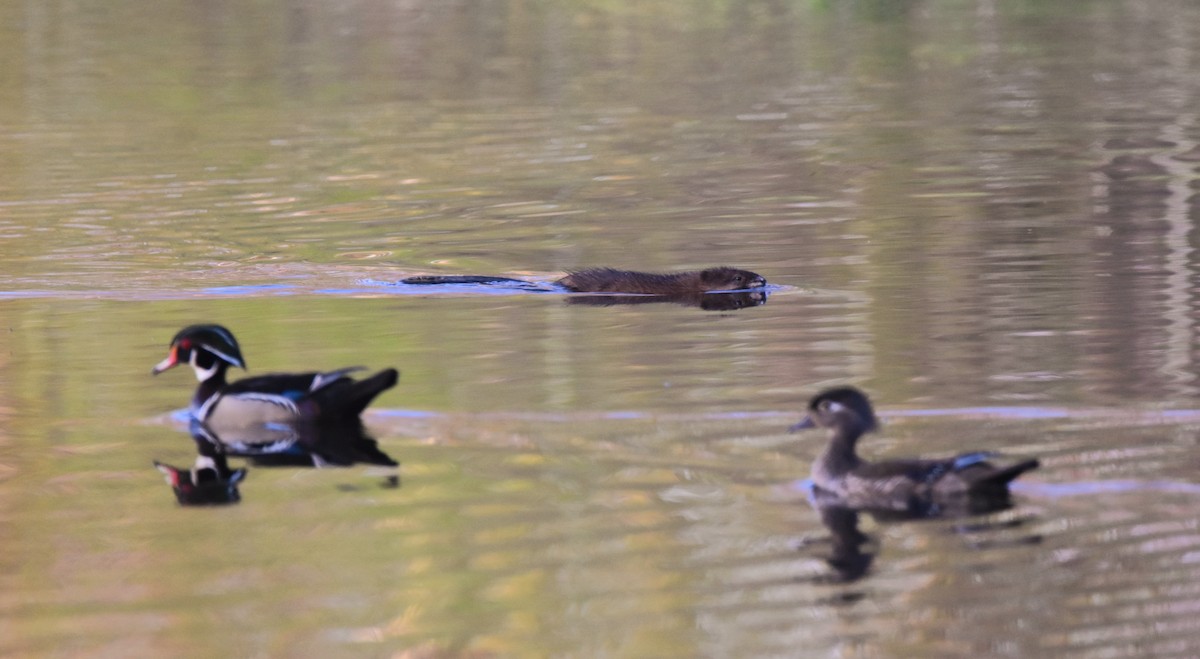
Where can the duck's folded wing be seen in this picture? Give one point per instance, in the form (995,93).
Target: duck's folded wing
(322,380)
(912,471)
(291,385)
(283,384)
(892,483)
(928,472)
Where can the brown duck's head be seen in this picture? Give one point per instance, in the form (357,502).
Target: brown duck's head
(841,407)
(730,279)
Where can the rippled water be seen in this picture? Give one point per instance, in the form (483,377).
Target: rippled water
(981,213)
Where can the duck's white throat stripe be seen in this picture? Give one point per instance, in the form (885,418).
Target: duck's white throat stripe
(202,374)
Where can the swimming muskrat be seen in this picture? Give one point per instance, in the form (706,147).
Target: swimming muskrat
(611,280)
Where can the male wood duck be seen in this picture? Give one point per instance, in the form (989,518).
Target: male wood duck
(277,398)
(915,486)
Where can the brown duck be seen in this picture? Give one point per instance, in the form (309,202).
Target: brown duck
(917,486)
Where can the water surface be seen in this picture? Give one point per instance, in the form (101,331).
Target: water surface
(979,212)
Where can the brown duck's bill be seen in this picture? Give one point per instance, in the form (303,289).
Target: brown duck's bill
(804,424)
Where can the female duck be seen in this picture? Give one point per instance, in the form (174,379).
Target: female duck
(923,487)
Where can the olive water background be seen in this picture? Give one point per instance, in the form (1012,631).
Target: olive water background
(981,212)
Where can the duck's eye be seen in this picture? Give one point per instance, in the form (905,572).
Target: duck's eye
(825,405)
(185,344)
(205,359)
(737,278)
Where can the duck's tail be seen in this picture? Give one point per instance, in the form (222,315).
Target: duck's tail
(346,398)
(365,391)
(996,482)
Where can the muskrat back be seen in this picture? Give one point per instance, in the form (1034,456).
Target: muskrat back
(610,280)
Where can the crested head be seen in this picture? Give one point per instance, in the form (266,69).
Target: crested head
(213,338)
(207,348)
(730,279)
(842,406)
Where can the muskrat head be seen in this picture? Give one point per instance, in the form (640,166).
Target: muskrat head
(730,279)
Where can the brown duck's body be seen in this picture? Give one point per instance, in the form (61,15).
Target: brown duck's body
(611,280)
(916,486)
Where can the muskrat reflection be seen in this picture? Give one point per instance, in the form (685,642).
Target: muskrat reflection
(705,301)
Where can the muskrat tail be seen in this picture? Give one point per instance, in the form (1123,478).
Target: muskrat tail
(457,279)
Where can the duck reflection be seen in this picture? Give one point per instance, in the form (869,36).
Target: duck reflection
(706,301)
(853,551)
(212,482)
(848,558)
(295,445)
